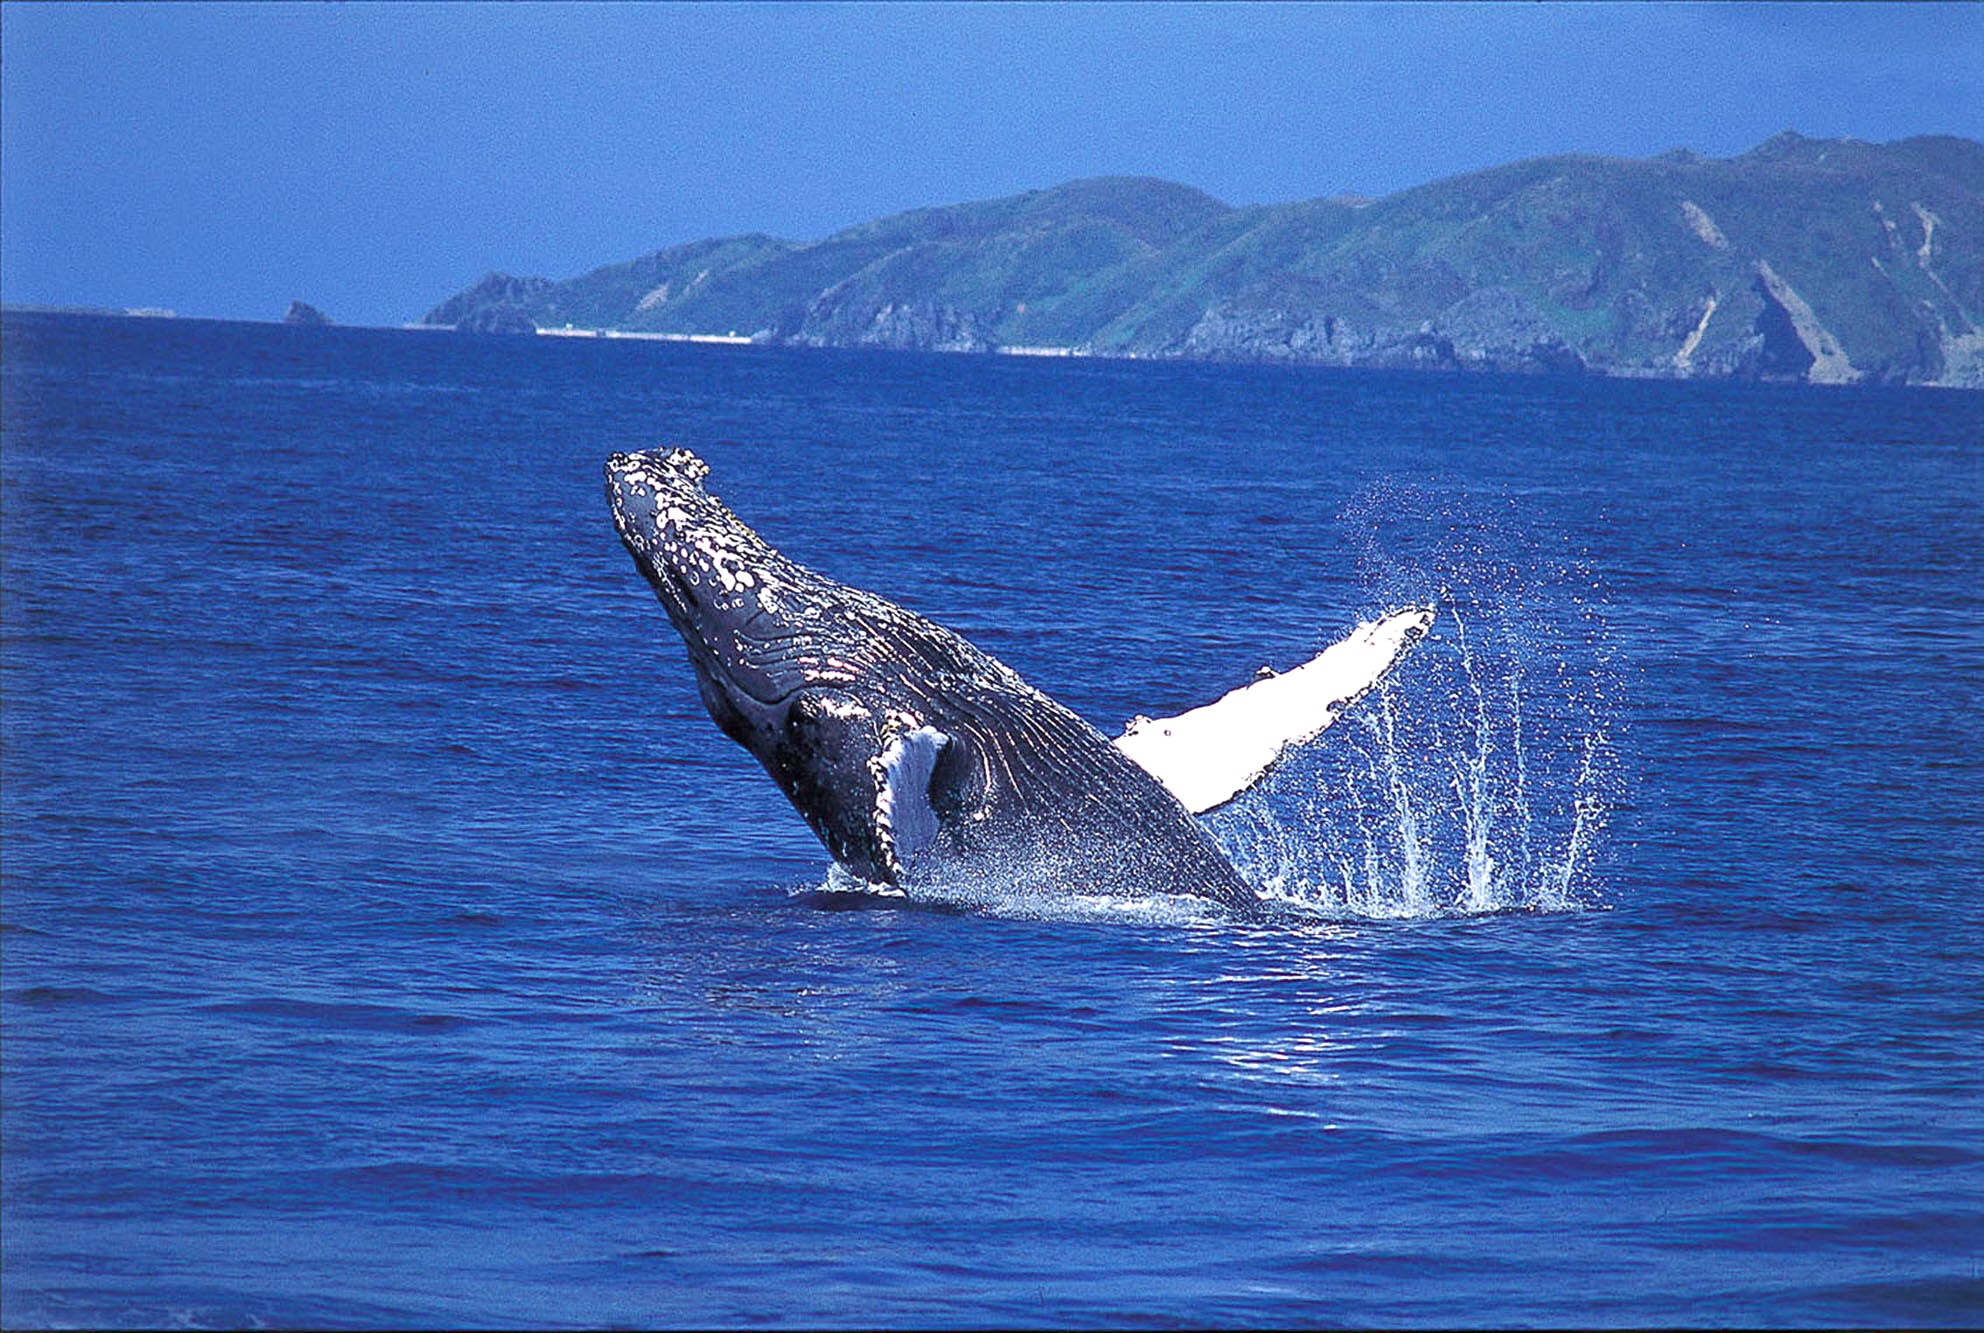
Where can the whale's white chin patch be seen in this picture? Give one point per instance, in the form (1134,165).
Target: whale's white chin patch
(1210,755)
(902,807)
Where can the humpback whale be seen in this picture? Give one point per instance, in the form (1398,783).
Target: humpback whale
(910,752)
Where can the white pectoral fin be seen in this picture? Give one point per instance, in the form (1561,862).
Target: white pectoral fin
(1212,754)
(903,815)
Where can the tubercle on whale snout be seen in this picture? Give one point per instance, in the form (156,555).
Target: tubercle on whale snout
(665,516)
(659,497)
(656,467)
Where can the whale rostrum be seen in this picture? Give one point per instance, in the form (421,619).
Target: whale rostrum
(910,752)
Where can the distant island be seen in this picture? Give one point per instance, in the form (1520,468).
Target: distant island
(1829,261)
(307,315)
(116,312)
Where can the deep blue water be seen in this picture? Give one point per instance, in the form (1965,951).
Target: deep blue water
(391,939)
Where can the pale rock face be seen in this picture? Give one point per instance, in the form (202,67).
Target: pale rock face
(1684,360)
(1929,224)
(1829,363)
(1703,225)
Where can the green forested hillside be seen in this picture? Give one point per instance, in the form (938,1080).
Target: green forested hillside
(1823,260)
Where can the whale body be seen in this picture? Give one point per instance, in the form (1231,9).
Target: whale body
(910,752)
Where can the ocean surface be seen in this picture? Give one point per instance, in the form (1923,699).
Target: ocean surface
(390,938)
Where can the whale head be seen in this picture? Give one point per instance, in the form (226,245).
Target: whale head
(785,661)
(738,604)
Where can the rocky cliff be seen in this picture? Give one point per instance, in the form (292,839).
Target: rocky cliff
(1829,261)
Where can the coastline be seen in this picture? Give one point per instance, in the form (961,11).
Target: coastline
(1637,374)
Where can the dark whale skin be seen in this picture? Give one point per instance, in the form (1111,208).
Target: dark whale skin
(818,680)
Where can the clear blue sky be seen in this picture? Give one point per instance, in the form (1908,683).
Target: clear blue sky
(373,158)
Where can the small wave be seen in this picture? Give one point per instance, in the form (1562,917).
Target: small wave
(57,995)
(467,917)
(335,1016)
(1950,1301)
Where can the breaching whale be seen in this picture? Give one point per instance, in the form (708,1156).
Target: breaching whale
(910,751)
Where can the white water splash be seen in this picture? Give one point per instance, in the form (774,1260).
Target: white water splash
(1479,777)
(1039,895)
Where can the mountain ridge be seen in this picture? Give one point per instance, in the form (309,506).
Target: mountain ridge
(1822,260)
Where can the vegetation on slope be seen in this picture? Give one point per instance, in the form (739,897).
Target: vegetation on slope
(1825,260)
